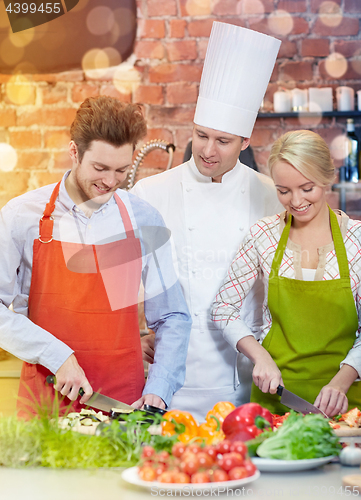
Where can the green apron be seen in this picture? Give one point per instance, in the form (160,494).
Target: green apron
(314,326)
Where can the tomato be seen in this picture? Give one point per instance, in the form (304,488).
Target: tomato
(166,477)
(239,447)
(230,460)
(224,446)
(250,467)
(159,469)
(211,451)
(178,449)
(237,473)
(200,477)
(220,475)
(181,477)
(163,457)
(148,451)
(190,466)
(204,459)
(147,463)
(194,448)
(188,455)
(147,473)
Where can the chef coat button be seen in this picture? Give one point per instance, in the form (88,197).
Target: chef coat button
(243,190)
(194,271)
(196,313)
(191,228)
(189,190)
(241,228)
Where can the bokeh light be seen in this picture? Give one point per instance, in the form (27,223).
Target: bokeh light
(338,147)
(25,67)
(9,157)
(310,121)
(100,20)
(336,65)
(19,89)
(330,14)
(250,8)
(124,23)
(22,38)
(198,7)
(95,63)
(9,53)
(280,23)
(126,78)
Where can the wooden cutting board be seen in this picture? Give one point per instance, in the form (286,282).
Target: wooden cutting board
(346,430)
(353,480)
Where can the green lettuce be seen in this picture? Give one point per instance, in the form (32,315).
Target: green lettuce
(300,437)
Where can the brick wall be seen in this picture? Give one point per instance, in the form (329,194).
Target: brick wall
(36,111)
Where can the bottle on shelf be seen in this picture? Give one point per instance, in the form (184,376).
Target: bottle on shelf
(352,160)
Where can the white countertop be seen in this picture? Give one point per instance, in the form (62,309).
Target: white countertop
(46,484)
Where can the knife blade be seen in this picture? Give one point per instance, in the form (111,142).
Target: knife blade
(296,403)
(99,401)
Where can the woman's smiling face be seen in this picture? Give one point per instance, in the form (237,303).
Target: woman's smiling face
(301,197)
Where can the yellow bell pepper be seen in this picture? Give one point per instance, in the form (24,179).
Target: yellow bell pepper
(181,423)
(211,430)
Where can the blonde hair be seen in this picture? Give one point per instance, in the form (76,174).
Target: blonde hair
(307,152)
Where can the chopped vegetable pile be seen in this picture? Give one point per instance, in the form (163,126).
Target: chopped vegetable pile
(301,437)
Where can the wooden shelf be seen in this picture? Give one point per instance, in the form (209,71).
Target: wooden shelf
(297,114)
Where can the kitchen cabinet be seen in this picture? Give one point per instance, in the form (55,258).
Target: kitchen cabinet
(44,484)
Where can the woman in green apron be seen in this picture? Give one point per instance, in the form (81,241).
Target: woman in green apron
(309,258)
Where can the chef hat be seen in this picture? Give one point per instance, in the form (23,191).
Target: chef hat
(236,72)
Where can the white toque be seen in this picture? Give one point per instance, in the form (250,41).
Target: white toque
(237,68)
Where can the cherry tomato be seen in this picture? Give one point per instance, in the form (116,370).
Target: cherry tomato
(147,463)
(223,447)
(220,475)
(147,473)
(237,473)
(204,459)
(159,469)
(190,466)
(211,451)
(166,477)
(250,467)
(230,460)
(148,451)
(200,477)
(178,449)
(163,457)
(181,477)
(239,447)
(194,448)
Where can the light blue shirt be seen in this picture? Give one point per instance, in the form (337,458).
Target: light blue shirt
(165,309)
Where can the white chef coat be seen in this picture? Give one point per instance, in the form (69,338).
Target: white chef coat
(208,222)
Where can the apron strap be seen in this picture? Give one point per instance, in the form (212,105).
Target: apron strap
(340,249)
(46,223)
(128,227)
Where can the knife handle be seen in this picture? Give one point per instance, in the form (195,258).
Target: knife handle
(279,390)
(51,380)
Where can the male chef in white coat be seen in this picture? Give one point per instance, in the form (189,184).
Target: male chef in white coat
(210,202)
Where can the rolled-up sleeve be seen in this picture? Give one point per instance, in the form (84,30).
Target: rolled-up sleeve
(239,281)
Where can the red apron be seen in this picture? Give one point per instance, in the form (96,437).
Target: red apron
(87,297)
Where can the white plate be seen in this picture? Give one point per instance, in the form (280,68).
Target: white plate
(131,476)
(274,465)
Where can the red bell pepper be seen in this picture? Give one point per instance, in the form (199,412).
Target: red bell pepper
(246,422)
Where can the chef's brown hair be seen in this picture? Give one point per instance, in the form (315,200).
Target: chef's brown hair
(307,152)
(107,119)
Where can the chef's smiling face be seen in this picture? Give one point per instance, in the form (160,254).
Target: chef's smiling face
(215,152)
(102,170)
(301,197)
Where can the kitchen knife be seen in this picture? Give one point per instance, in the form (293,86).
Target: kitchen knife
(296,403)
(99,401)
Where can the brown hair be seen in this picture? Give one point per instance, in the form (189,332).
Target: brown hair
(307,152)
(107,119)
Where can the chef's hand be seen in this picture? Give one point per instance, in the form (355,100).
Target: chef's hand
(331,400)
(266,374)
(147,343)
(70,377)
(149,399)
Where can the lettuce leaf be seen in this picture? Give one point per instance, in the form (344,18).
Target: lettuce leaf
(300,437)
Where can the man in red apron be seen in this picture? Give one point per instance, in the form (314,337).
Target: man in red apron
(74,255)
